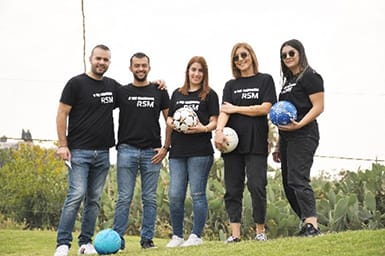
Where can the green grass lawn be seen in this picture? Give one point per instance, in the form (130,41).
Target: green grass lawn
(358,243)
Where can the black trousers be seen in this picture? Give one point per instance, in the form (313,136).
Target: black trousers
(237,168)
(297,153)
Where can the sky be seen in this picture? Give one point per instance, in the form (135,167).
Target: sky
(42,48)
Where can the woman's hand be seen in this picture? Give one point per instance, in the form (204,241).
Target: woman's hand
(292,126)
(159,156)
(220,140)
(276,157)
(228,108)
(199,128)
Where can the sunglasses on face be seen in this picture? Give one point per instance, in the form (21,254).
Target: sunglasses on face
(291,54)
(242,55)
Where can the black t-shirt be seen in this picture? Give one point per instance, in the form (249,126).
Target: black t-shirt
(198,144)
(297,91)
(90,123)
(247,91)
(139,112)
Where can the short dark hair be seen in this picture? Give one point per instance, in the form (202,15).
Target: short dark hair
(139,55)
(100,46)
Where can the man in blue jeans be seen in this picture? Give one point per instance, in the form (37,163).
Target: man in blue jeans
(139,147)
(87,101)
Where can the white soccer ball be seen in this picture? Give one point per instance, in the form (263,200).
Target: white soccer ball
(184,118)
(232,139)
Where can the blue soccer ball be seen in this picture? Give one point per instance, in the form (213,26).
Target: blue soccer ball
(107,241)
(282,112)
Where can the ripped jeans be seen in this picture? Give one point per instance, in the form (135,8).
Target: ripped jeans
(194,171)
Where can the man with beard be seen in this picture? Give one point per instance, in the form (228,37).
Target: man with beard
(87,101)
(140,147)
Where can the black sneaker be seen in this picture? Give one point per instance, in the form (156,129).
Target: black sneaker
(122,243)
(309,230)
(147,244)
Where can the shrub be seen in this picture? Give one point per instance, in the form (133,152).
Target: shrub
(33,186)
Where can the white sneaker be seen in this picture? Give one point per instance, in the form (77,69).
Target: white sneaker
(62,250)
(232,239)
(261,237)
(193,240)
(175,241)
(87,249)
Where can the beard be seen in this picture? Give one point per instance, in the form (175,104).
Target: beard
(140,79)
(99,70)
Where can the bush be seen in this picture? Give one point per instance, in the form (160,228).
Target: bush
(33,186)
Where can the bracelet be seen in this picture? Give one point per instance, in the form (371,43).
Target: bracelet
(62,146)
(166,148)
(218,130)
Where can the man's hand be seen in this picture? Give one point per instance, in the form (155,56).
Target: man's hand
(161,84)
(64,153)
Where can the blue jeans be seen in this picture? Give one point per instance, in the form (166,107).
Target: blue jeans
(194,170)
(130,161)
(85,183)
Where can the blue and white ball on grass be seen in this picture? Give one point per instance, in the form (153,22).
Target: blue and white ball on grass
(184,118)
(107,241)
(282,112)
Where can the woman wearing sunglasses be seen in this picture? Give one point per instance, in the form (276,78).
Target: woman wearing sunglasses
(298,141)
(191,153)
(247,100)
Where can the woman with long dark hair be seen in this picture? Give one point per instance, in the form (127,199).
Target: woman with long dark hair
(298,140)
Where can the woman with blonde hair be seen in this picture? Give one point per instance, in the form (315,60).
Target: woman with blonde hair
(247,99)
